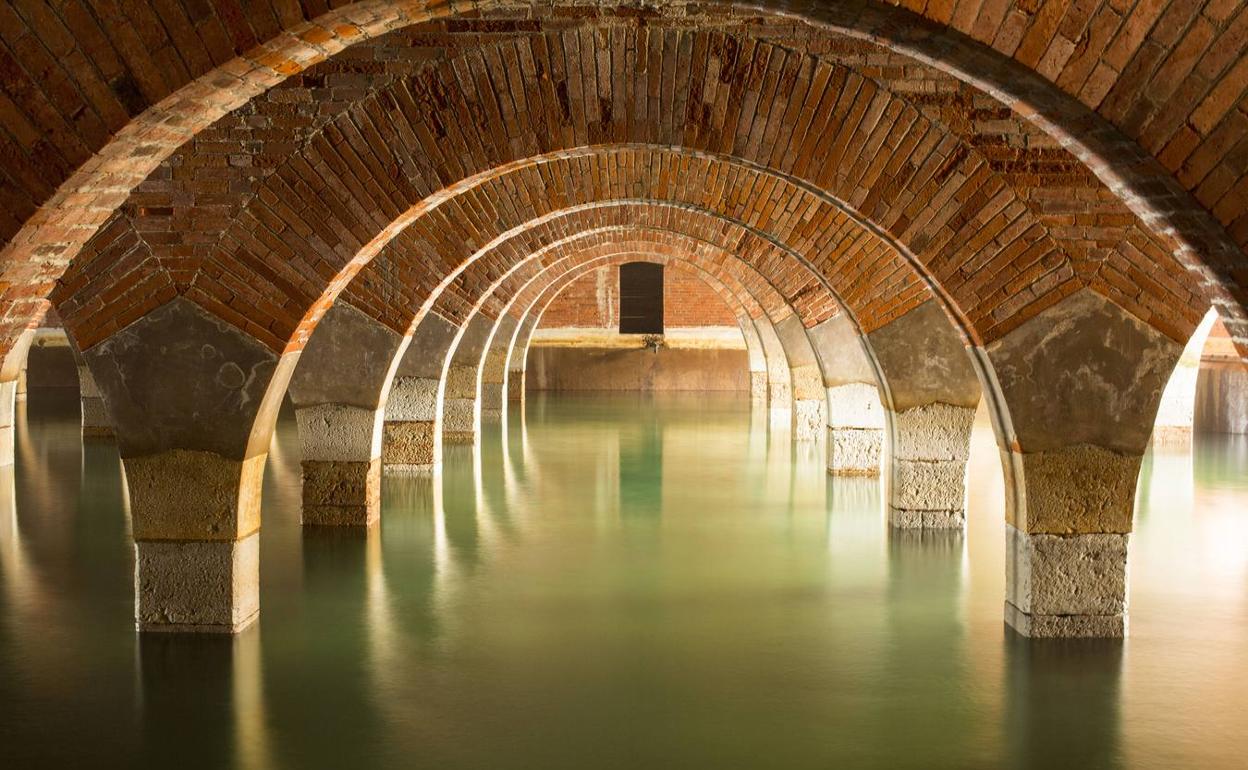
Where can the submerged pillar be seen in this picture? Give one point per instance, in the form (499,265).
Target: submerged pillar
(410,442)
(518,354)
(95,422)
(11,367)
(1081,381)
(493,372)
(459,389)
(193,475)
(337,390)
(855,421)
(933,392)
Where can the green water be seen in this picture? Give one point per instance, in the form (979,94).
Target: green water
(617,583)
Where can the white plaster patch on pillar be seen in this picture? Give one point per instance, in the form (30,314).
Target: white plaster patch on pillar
(1175,413)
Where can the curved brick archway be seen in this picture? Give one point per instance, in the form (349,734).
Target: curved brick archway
(974,233)
(1062,44)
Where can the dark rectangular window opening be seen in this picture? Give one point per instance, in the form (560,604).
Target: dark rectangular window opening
(641,298)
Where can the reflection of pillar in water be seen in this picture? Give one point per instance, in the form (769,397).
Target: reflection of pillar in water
(926,649)
(1062,701)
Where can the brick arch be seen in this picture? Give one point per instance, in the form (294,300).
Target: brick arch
(758,353)
(885,190)
(763,303)
(1060,43)
(634,247)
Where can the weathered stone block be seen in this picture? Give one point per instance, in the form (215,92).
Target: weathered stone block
(854,451)
(758,386)
(336,432)
(928,486)
(1077,489)
(95,422)
(1075,575)
(201,586)
(412,399)
(341,493)
(409,443)
(855,405)
(910,519)
(935,432)
(185,494)
(459,420)
(808,419)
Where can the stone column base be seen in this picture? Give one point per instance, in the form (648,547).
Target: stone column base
(515,385)
(408,447)
(492,399)
(95,422)
(459,420)
(854,451)
(1065,626)
(197,586)
(902,518)
(758,387)
(1066,585)
(808,419)
(341,493)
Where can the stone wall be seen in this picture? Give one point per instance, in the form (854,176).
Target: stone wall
(585,369)
(593,301)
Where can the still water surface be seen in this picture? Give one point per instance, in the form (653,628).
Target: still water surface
(617,582)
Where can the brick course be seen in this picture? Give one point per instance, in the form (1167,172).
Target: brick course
(990,174)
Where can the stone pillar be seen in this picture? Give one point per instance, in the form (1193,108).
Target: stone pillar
(460,418)
(1081,382)
(855,415)
(196,522)
(193,475)
(933,392)
(757,359)
(779,390)
(21,385)
(410,441)
(95,422)
(930,450)
(337,391)
(493,373)
(806,379)
(855,429)
(1176,412)
(518,355)
(11,366)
